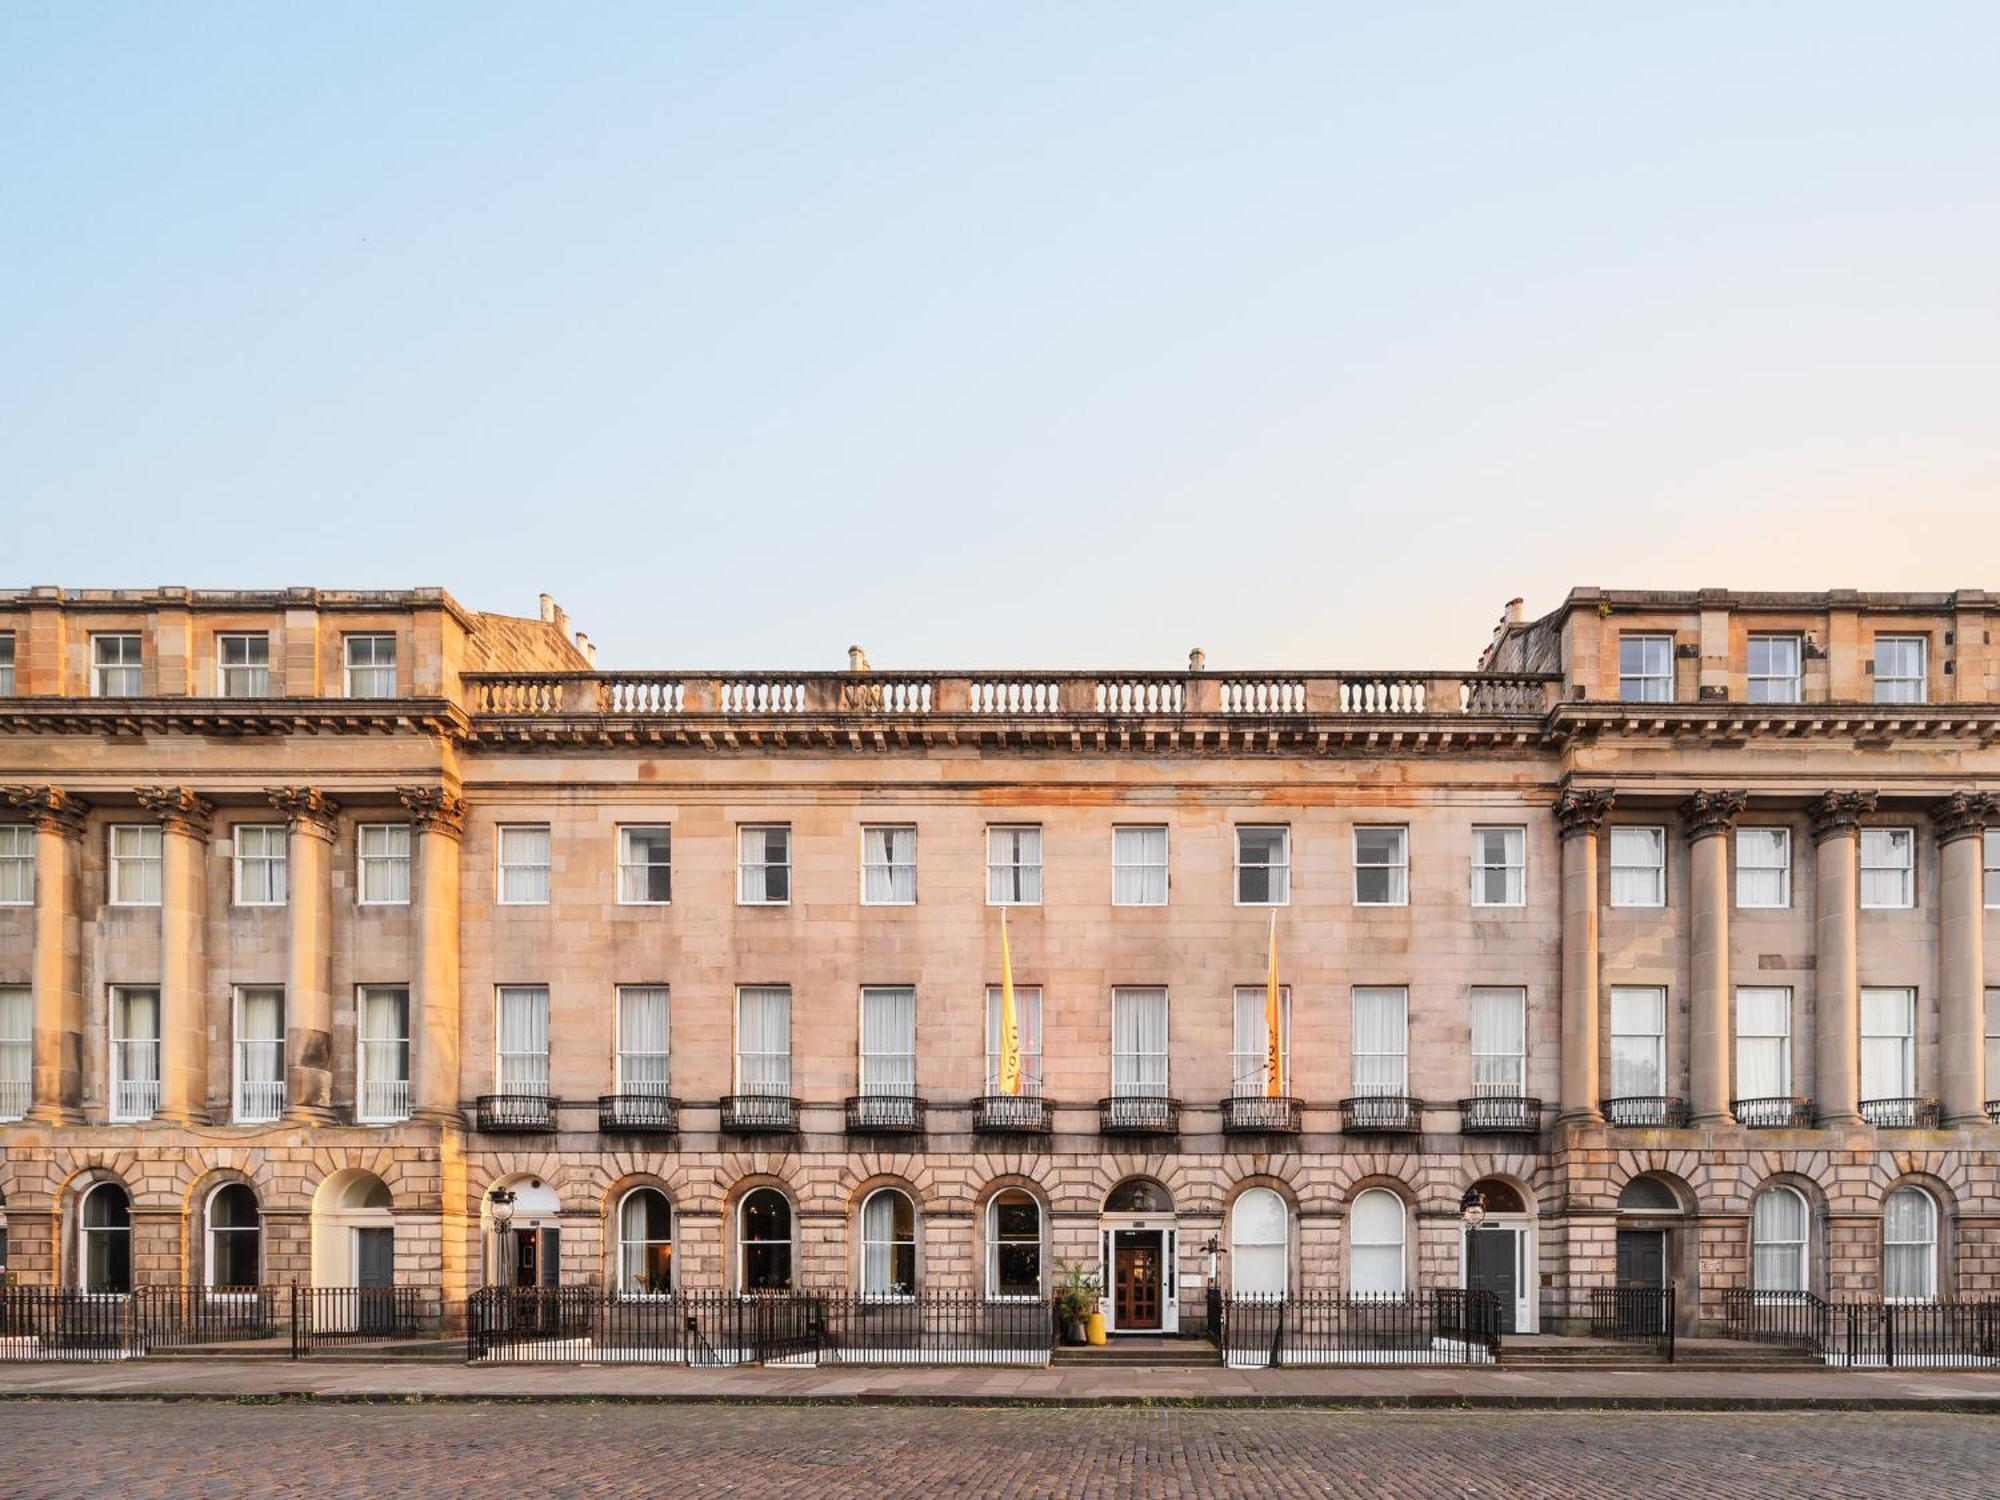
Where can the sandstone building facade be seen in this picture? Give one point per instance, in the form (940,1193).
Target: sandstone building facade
(1666,930)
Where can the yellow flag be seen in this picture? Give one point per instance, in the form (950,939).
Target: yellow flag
(1010,1022)
(1274,1055)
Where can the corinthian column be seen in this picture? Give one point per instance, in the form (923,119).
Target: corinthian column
(1836,822)
(1709,816)
(1961,821)
(310,830)
(56,967)
(438,817)
(1580,813)
(184,822)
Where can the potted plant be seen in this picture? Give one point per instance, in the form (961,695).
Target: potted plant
(1077,1297)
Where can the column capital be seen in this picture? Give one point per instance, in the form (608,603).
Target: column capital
(434,809)
(306,808)
(179,809)
(1964,815)
(49,807)
(1582,809)
(1834,813)
(1710,813)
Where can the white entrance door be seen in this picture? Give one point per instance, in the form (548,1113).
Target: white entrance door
(1499,1257)
(1140,1280)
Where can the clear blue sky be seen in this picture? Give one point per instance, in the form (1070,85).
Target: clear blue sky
(1002,334)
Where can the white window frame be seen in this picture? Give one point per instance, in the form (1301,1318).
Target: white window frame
(1028,1017)
(255,674)
(1278,871)
(1397,866)
(1993,1040)
(1658,867)
(7,650)
(352,670)
(1515,1060)
(275,868)
(248,1108)
(502,1083)
(744,1242)
(887,1074)
(1652,685)
(1991,868)
(1905,1040)
(117,1023)
(367,863)
(629,867)
(1770,686)
(123,865)
(1929,1245)
(133,662)
(1906,868)
(1400,1055)
(628,1262)
(994,1243)
(1144,868)
(1015,871)
(871,1291)
(622,1056)
(1139,1064)
(1744,868)
(17,1050)
(367,1079)
(785,1089)
(17,864)
(1799,1250)
(1656,1037)
(210,1231)
(1782,1039)
(1903,687)
(762,865)
(889,867)
(1513,867)
(503,834)
(1250,1052)
(1401,1245)
(1243,1250)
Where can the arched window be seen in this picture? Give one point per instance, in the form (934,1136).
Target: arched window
(645,1243)
(888,1244)
(1909,1245)
(1648,1195)
(1778,1224)
(1375,1240)
(235,1237)
(104,1235)
(1014,1239)
(1138,1195)
(1257,1244)
(764,1241)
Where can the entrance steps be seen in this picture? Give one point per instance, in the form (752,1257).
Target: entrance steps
(1127,1353)
(1557,1352)
(399,1351)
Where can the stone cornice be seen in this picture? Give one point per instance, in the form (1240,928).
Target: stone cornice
(179,809)
(49,807)
(307,809)
(1833,813)
(1582,809)
(1964,815)
(231,718)
(1708,814)
(434,809)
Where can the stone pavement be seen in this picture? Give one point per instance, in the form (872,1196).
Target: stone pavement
(1661,1388)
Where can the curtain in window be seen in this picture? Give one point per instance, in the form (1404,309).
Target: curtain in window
(645,1243)
(1027,1016)
(642,1040)
(1257,1249)
(1638,865)
(1887,867)
(262,1019)
(1909,1245)
(1250,1055)
(1638,1043)
(889,1042)
(1381,1041)
(524,1041)
(1139,866)
(1778,1228)
(385,863)
(1375,1244)
(524,865)
(1139,1042)
(385,1053)
(1014,867)
(888,1245)
(1499,859)
(1887,1025)
(135,1039)
(889,865)
(17,866)
(135,865)
(1763,1043)
(764,1041)
(1763,860)
(1499,1042)
(17,1051)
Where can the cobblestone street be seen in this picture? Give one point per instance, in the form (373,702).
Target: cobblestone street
(142,1449)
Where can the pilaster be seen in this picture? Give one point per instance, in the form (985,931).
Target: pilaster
(1708,818)
(310,830)
(1836,822)
(437,814)
(56,1092)
(184,826)
(1961,821)
(1580,814)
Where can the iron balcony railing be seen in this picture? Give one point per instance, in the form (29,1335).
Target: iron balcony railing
(259,1101)
(1773,1114)
(760,1114)
(637,1114)
(885,1114)
(515,1114)
(1010,1114)
(15,1096)
(1644,1313)
(1901,1114)
(1260,1114)
(1499,1114)
(1446,1326)
(1657,1111)
(1138,1114)
(1993,1111)
(383,1101)
(1382,1114)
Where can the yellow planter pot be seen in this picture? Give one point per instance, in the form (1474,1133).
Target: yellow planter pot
(1094,1328)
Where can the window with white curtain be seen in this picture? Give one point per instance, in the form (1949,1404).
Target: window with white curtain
(1250,1056)
(888,1244)
(1993,1041)
(523,1033)
(383,1029)
(371,665)
(1638,1042)
(1139,865)
(1992,860)
(260,1054)
(17,865)
(6,663)
(1259,1226)
(524,864)
(1763,1042)
(17,1050)
(645,865)
(645,1243)
(1375,1229)
(1263,866)
(889,1041)
(1888,1044)
(1638,866)
(260,864)
(1888,867)
(1138,1043)
(1014,865)
(889,866)
(764,864)
(1779,1224)
(1014,1245)
(1909,1245)
(235,1237)
(1773,675)
(642,1040)
(764,1040)
(135,864)
(383,852)
(1646,668)
(1900,668)
(116,666)
(1763,867)
(135,1053)
(1381,1040)
(1499,1042)
(243,665)
(1499,866)
(1028,1018)
(1381,866)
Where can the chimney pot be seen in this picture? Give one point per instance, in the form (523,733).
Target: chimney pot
(548,609)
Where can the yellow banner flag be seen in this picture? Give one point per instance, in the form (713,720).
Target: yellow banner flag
(1274,1056)
(1010,1021)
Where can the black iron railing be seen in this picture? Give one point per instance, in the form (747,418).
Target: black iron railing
(1005,1114)
(325,1317)
(1382,1114)
(1644,1313)
(885,1114)
(1993,1111)
(1660,1111)
(1871,1334)
(1138,1114)
(1901,1114)
(179,1316)
(1442,1327)
(40,1323)
(1772,1114)
(637,1114)
(1797,1320)
(1260,1114)
(760,1114)
(1499,1114)
(504,1114)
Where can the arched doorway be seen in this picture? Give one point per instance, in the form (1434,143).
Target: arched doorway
(1499,1255)
(1652,1230)
(353,1231)
(1139,1244)
(523,1243)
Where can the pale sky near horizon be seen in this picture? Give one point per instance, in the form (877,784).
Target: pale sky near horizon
(1050,334)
